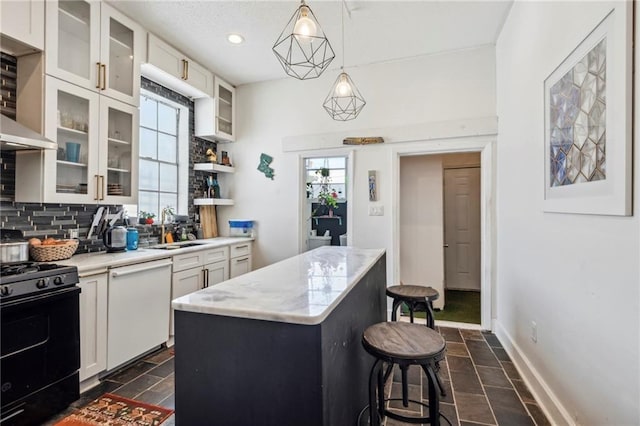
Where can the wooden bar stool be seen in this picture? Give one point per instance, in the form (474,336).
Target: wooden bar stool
(414,296)
(404,344)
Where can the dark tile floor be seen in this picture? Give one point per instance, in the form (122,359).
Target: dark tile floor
(149,380)
(482,384)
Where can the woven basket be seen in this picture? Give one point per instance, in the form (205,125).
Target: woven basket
(49,253)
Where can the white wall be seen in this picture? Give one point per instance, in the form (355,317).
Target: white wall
(576,276)
(421,220)
(455,86)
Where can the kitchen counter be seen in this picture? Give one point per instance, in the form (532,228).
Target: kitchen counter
(90,262)
(281,345)
(300,290)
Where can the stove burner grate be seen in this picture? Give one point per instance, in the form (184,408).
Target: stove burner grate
(9,269)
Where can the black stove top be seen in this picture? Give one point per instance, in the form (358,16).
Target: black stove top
(22,279)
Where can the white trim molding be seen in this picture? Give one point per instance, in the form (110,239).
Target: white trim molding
(484,145)
(556,413)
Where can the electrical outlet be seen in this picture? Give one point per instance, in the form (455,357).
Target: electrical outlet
(534,332)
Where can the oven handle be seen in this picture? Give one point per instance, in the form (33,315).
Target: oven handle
(116,274)
(35,345)
(12,415)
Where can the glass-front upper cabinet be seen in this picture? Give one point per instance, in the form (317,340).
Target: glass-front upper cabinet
(119,137)
(92,45)
(71,120)
(226,110)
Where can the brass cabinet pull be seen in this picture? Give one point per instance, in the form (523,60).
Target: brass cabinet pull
(187,63)
(104,76)
(102,185)
(184,69)
(206,278)
(97,197)
(97,76)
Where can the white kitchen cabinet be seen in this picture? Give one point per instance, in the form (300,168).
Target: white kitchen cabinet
(168,66)
(23,21)
(105,168)
(93,324)
(216,272)
(92,45)
(196,270)
(240,259)
(138,310)
(215,118)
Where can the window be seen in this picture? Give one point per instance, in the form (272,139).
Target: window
(163,155)
(337,175)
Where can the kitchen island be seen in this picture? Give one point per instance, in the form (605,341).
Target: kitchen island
(280,345)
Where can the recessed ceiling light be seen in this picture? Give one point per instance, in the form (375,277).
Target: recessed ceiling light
(235,38)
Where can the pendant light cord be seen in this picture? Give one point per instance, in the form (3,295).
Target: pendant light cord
(342,18)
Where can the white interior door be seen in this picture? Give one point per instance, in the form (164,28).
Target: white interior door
(462,228)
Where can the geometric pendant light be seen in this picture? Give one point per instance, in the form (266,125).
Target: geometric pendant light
(344,101)
(302,48)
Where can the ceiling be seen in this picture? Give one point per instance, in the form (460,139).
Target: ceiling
(377,31)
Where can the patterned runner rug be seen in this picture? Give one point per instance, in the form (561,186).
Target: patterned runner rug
(114,410)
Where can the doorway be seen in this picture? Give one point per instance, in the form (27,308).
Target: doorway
(325,205)
(461,195)
(482,149)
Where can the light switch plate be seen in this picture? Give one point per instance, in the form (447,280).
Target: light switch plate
(376,211)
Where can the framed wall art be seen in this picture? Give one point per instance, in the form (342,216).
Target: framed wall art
(588,122)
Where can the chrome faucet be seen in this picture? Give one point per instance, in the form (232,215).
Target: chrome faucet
(163,217)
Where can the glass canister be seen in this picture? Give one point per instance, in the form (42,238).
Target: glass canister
(132,239)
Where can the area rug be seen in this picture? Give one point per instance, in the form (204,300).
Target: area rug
(114,410)
(460,306)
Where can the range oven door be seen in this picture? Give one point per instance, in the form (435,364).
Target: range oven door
(39,350)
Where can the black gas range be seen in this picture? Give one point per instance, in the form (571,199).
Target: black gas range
(39,341)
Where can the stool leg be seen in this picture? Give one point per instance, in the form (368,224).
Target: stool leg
(381,383)
(443,392)
(434,397)
(431,323)
(394,313)
(374,419)
(411,308)
(405,386)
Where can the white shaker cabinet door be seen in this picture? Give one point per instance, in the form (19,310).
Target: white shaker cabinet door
(183,283)
(216,272)
(93,325)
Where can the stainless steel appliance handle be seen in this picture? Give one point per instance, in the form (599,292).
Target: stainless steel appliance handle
(115,274)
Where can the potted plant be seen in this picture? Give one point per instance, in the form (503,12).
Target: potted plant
(146,217)
(326,197)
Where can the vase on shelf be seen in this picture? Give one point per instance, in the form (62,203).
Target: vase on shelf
(330,212)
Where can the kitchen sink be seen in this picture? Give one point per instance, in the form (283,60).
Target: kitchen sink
(174,246)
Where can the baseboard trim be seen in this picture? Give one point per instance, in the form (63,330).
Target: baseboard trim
(556,413)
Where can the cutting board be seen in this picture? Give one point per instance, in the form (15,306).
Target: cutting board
(208,221)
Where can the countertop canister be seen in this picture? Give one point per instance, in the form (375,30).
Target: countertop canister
(132,239)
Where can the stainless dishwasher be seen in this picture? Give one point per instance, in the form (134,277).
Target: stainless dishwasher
(139,309)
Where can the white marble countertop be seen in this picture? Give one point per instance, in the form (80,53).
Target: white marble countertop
(303,289)
(93,262)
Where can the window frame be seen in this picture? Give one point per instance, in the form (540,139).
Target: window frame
(182,160)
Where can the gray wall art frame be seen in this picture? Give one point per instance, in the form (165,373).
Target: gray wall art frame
(588,122)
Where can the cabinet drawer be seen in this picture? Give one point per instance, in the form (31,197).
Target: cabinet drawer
(240,249)
(188,260)
(239,265)
(216,255)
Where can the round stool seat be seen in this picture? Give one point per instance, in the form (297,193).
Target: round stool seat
(414,293)
(401,341)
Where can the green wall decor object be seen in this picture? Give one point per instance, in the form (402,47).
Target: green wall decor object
(265,160)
